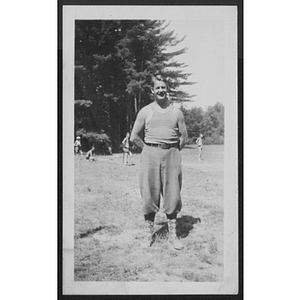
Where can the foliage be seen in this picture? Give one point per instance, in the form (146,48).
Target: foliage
(210,123)
(114,62)
(193,120)
(83,114)
(88,139)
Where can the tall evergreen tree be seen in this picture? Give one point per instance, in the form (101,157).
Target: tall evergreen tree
(114,61)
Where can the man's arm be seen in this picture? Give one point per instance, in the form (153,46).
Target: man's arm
(137,129)
(182,129)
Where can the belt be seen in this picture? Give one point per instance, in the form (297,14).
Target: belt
(163,145)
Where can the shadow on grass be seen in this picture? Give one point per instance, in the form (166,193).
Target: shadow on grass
(110,229)
(90,231)
(191,146)
(183,226)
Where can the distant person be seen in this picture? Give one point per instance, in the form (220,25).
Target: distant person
(127,155)
(109,148)
(77,146)
(160,168)
(199,143)
(105,144)
(90,154)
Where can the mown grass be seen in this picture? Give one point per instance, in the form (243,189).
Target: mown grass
(109,223)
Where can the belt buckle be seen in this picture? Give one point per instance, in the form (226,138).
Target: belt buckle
(164,146)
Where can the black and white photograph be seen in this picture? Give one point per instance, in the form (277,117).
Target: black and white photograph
(86,214)
(150,201)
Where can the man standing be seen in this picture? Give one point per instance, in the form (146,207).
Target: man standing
(77,146)
(160,169)
(127,155)
(200,144)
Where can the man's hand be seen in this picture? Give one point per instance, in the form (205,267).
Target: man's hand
(182,128)
(137,128)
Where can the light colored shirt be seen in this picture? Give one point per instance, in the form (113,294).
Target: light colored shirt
(161,127)
(199,141)
(77,143)
(125,142)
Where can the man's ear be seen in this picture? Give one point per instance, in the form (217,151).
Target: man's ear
(152,90)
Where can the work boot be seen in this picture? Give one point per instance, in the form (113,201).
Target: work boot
(173,239)
(148,234)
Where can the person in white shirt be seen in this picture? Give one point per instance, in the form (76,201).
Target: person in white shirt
(77,146)
(199,142)
(127,155)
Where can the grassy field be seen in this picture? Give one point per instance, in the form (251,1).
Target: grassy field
(109,222)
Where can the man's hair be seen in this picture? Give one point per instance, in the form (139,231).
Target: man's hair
(159,77)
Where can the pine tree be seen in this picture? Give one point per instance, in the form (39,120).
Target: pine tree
(114,62)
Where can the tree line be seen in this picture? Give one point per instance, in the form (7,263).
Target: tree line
(114,63)
(209,122)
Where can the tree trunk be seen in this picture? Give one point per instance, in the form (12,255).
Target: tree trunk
(135,105)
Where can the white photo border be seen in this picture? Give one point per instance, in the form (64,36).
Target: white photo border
(232,228)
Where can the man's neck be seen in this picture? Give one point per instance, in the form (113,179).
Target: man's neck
(165,103)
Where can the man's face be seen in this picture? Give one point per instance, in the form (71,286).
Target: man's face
(160,90)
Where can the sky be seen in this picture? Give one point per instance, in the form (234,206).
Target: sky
(204,57)
(210,38)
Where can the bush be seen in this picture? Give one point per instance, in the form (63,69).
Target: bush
(100,141)
(213,140)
